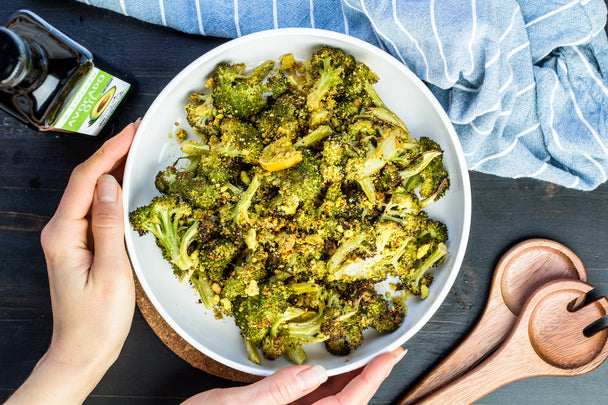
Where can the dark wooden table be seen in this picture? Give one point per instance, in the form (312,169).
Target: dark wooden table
(34,169)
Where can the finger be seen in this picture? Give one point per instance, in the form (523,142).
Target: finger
(332,386)
(78,194)
(363,387)
(280,388)
(108,229)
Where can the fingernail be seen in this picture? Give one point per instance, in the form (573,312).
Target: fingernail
(311,377)
(400,355)
(107,188)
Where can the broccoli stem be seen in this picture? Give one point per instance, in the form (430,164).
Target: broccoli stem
(424,203)
(240,216)
(201,283)
(429,262)
(382,113)
(252,352)
(308,331)
(261,71)
(367,185)
(289,314)
(195,148)
(322,132)
(304,288)
(295,354)
(329,78)
(185,262)
(420,164)
(344,249)
(166,234)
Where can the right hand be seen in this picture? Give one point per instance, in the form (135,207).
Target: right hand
(302,385)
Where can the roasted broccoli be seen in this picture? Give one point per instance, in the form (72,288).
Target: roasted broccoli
(302,195)
(240,95)
(170,221)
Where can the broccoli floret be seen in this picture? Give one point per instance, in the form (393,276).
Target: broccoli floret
(433,180)
(393,145)
(246,278)
(206,182)
(169,220)
(294,334)
(417,281)
(216,256)
(195,190)
(331,66)
(240,214)
(239,139)
(286,117)
(360,87)
(237,94)
(297,186)
(201,114)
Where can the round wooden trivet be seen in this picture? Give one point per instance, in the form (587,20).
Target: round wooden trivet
(182,348)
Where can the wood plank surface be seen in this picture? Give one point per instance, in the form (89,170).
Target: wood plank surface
(34,169)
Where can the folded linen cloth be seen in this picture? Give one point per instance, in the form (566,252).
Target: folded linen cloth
(525,83)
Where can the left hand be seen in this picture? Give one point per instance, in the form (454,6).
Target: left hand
(90,280)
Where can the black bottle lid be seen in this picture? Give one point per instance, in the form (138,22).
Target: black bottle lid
(14,59)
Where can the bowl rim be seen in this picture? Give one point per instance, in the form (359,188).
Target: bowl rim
(317,36)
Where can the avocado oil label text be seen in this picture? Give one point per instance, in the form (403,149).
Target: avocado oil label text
(93,103)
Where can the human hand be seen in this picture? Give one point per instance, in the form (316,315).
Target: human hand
(307,384)
(90,280)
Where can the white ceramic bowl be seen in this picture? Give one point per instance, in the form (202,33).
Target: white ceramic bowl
(154,149)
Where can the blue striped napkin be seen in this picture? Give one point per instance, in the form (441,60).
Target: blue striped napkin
(524,82)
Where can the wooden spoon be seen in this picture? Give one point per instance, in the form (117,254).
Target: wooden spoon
(547,340)
(525,267)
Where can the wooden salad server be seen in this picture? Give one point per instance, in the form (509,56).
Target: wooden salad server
(547,340)
(520,271)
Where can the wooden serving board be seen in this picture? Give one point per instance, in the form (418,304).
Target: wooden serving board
(182,348)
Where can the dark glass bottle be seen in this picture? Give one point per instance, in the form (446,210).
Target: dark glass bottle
(50,82)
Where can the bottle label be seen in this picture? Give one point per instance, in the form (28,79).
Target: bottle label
(93,104)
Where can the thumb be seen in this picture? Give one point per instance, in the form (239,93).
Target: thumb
(107,223)
(283,387)
(286,385)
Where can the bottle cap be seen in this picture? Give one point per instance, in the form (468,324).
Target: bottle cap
(14,58)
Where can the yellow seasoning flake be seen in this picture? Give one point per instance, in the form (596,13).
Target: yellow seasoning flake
(181,135)
(280,155)
(252,289)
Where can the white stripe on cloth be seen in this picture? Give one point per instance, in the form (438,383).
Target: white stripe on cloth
(596,79)
(599,166)
(161,7)
(436,33)
(199,17)
(410,37)
(553,12)
(312,13)
(380,33)
(510,27)
(237,25)
(473,37)
(507,150)
(552,113)
(123,8)
(345,19)
(575,182)
(536,173)
(577,108)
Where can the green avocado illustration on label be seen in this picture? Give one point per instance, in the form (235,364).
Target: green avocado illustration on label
(101,105)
